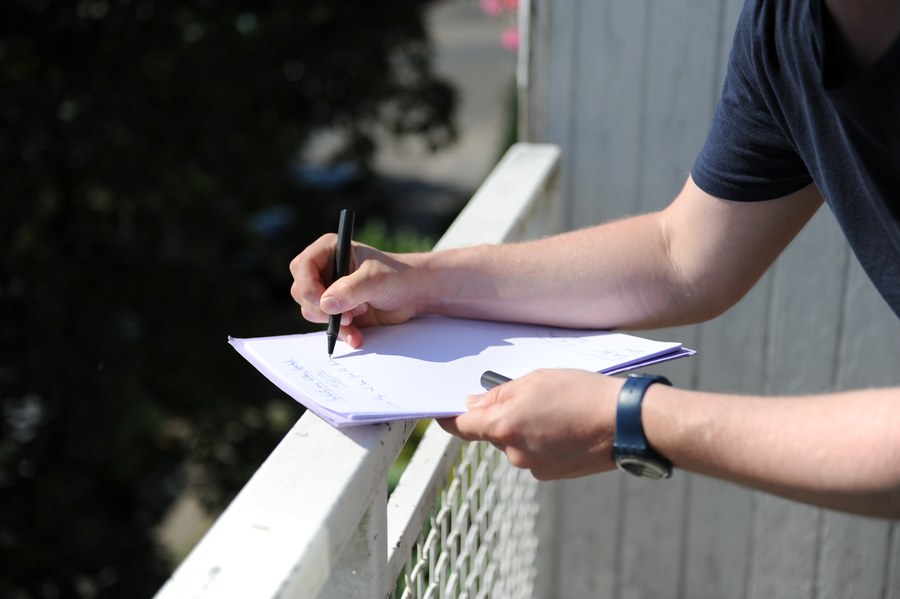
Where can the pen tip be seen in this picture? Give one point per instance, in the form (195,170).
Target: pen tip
(332,340)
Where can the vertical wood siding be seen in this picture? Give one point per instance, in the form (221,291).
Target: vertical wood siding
(627,89)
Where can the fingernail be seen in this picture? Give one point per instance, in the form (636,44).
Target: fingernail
(474,401)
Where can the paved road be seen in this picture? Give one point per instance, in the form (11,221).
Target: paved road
(469,53)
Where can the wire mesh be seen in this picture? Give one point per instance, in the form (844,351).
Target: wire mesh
(480,540)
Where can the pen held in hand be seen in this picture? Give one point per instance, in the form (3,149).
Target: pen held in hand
(341,264)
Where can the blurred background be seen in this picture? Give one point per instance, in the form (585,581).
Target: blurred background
(160,164)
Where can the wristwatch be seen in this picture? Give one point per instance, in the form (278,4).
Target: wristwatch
(631,451)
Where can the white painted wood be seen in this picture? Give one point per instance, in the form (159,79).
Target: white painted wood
(549,92)
(853,557)
(415,494)
(855,553)
(870,337)
(651,539)
(813,324)
(361,570)
(560,73)
(518,193)
(892,571)
(284,532)
(603,163)
(731,10)
(717,539)
(586,527)
(679,80)
(783,548)
(547,568)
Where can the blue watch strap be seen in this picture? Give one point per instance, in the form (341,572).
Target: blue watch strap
(630,438)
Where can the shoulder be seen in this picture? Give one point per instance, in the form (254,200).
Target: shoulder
(750,153)
(772,35)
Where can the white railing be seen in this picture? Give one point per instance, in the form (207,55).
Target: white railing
(316,521)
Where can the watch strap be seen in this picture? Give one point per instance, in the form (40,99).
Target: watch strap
(630,438)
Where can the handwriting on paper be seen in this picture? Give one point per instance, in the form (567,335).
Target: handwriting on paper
(336,383)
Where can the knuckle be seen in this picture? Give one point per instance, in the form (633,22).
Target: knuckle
(294,265)
(541,474)
(503,433)
(518,458)
(296,292)
(311,314)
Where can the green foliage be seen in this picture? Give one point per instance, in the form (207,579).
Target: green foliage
(375,233)
(149,210)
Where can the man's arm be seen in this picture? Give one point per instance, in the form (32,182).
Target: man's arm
(840,451)
(686,263)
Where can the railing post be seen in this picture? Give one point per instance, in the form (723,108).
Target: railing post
(363,566)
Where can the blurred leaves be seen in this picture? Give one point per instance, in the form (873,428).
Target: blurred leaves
(144,147)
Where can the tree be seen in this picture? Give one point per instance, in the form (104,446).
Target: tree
(145,148)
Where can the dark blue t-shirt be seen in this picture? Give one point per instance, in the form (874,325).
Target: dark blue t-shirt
(786,119)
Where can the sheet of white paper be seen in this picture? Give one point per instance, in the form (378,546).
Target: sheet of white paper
(428,366)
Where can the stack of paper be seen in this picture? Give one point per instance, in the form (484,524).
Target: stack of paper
(428,366)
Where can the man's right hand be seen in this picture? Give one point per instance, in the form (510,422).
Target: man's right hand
(381,288)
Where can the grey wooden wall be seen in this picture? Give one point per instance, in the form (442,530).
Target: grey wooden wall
(627,89)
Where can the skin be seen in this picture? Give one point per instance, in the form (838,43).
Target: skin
(867,28)
(684,264)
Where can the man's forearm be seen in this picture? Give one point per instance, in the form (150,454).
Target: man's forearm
(616,275)
(839,450)
(684,264)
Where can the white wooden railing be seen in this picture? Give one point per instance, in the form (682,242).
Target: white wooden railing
(316,521)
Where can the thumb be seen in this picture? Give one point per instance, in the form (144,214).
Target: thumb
(481,401)
(344,295)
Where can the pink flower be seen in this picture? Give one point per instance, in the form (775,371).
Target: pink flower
(492,7)
(497,7)
(511,38)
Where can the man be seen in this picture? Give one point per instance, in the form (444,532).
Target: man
(810,111)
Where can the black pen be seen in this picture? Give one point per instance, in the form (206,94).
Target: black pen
(341,263)
(491,379)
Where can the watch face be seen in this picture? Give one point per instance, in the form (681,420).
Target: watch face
(643,467)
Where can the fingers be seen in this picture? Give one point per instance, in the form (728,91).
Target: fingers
(319,297)
(308,270)
(548,422)
(379,290)
(480,422)
(471,427)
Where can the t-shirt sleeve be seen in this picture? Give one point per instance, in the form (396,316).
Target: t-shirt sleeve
(747,155)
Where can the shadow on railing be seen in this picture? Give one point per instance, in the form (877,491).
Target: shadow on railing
(316,521)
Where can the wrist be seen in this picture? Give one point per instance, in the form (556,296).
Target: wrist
(663,425)
(447,282)
(427,269)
